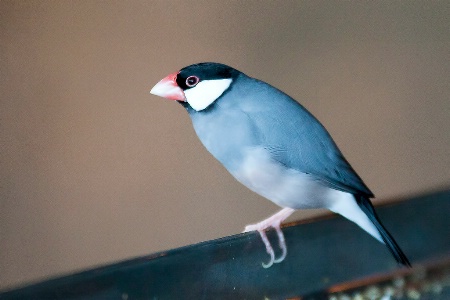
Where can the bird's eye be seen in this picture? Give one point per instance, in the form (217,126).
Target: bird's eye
(192,81)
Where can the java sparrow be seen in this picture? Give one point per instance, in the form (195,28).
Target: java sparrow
(274,146)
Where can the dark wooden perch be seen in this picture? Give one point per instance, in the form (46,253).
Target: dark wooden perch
(327,255)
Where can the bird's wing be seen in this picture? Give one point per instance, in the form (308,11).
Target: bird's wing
(296,139)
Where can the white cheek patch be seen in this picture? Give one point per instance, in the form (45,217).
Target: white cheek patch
(206,92)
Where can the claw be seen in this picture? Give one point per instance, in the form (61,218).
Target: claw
(266,266)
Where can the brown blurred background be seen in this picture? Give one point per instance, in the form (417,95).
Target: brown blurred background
(94,169)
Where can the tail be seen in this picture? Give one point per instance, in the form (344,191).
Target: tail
(367,207)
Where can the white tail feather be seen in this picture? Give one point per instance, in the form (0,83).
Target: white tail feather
(346,206)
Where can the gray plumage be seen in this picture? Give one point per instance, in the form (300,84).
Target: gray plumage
(274,146)
(253,113)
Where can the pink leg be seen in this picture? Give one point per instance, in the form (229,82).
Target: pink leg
(274,222)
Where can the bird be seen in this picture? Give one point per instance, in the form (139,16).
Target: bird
(275,147)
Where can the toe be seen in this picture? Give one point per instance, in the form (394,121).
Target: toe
(282,244)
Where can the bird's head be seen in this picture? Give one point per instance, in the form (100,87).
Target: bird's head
(199,84)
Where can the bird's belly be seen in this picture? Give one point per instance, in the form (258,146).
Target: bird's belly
(283,186)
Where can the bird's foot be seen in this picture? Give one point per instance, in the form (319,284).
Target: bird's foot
(274,222)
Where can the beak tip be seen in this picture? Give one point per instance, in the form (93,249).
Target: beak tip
(158,90)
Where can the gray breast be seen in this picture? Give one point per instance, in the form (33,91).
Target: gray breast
(225,133)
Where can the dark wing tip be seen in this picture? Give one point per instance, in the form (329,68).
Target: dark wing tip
(367,207)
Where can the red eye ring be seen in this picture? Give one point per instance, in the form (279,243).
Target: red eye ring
(192,81)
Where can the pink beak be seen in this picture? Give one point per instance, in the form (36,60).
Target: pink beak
(169,89)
